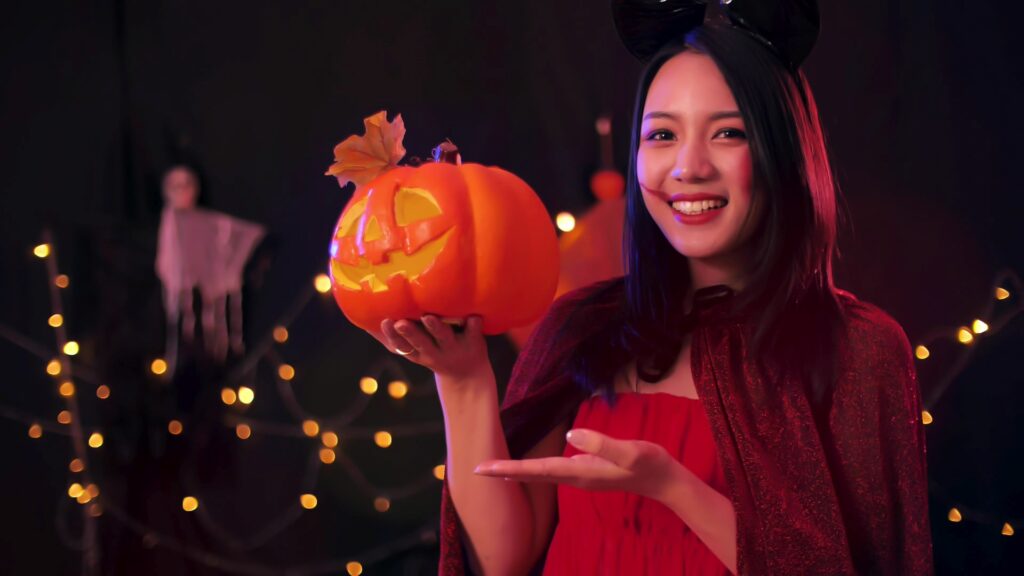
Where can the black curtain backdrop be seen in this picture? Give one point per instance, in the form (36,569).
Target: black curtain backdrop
(921,105)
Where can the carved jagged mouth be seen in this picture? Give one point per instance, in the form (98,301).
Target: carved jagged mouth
(376,276)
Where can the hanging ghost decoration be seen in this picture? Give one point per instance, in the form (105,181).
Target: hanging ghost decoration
(205,250)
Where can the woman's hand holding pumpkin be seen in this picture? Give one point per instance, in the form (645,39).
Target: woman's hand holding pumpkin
(433,343)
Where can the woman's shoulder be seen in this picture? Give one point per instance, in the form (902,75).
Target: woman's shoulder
(869,332)
(596,297)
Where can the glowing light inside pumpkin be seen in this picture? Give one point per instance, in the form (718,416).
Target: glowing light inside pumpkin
(412,205)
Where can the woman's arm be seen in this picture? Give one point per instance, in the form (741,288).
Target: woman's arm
(507,524)
(706,511)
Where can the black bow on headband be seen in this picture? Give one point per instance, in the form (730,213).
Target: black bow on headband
(788,27)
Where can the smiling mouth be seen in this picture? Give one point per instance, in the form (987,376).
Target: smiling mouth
(698,207)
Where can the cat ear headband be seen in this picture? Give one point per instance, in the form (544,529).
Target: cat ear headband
(789,28)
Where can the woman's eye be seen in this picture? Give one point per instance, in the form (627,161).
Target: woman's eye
(657,135)
(731,133)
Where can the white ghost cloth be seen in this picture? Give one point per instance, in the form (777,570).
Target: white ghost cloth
(204,249)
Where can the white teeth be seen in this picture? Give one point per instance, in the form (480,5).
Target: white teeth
(697,207)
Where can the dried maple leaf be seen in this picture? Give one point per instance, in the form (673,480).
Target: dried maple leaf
(360,159)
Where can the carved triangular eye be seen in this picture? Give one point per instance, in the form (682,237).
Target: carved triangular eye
(413,205)
(372,231)
(350,219)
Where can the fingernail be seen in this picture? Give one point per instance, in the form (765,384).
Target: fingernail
(576,438)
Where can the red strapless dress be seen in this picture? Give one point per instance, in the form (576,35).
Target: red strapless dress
(621,532)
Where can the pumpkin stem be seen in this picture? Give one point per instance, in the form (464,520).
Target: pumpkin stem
(448,152)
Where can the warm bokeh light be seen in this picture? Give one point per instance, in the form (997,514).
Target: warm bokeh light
(566,222)
(354,568)
(439,471)
(322,283)
(84,498)
(95,510)
(1007,529)
(56,321)
(175,427)
(62,281)
(228,396)
(243,431)
(93,491)
(368,385)
(35,431)
(330,439)
(382,504)
(922,352)
(95,440)
(246,395)
(71,348)
(41,250)
(280,334)
(64,417)
(158,366)
(76,465)
(286,372)
(382,438)
(964,336)
(327,456)
(103,391)
(75,490)
(67,389)
(398,389)
(926,417)
(308,501)
(979,327)
(954,515)
(53,367)
(1002,293)
(310,428)
(189,504)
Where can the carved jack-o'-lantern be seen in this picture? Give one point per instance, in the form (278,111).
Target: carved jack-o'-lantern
(447,239)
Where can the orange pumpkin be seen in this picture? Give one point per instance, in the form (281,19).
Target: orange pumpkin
(445,239)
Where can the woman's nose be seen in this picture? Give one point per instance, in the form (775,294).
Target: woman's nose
(692,165)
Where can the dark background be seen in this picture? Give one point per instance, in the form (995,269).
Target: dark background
(920,101)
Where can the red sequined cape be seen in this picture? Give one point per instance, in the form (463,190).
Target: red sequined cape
(851,498)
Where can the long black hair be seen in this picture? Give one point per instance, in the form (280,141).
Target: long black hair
(789,292)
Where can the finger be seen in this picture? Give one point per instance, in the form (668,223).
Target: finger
(394,340)
(474,328)
(416,336)
(622,453)
(557,469)
(439,330)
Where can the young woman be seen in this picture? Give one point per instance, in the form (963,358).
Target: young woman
(728,409)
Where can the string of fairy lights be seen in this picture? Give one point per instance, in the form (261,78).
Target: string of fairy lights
(1004,305)
(324,434)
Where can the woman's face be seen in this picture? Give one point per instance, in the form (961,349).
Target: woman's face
(693,163)
(181,190)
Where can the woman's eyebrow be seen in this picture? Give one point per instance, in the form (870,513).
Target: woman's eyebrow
(714,116)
